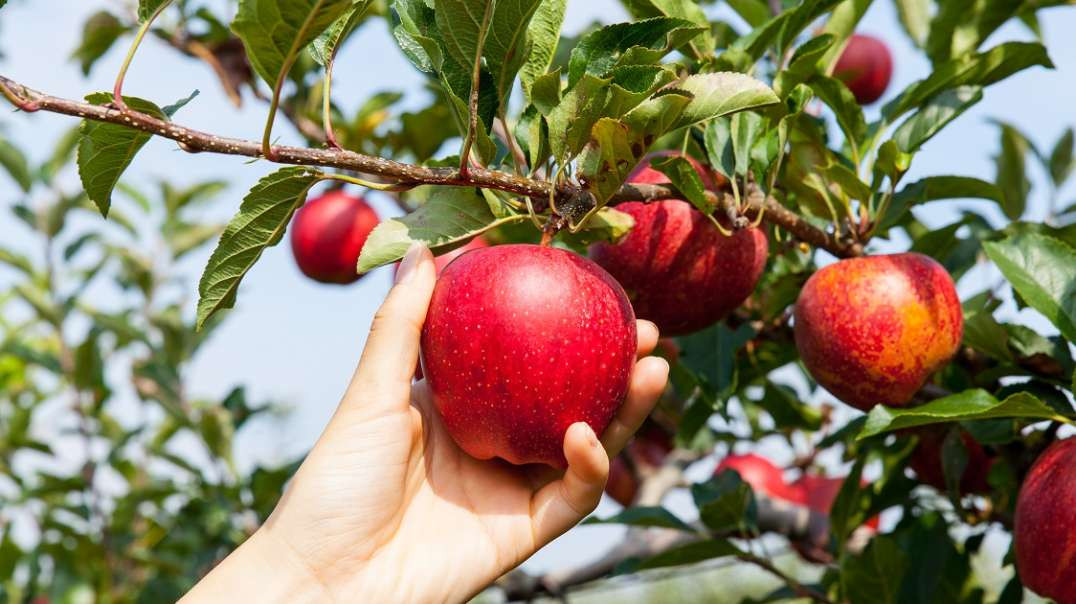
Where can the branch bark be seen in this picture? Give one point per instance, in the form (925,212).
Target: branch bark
(404,174)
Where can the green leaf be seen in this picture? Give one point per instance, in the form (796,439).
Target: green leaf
(16,165)
(755,12)
(260,223)
(323,48)
(933,188)
(544,33)
(745,128)
(717,94)
(840,99)
(1042,270)
(1061,161)
(783,29)
(450,218)
(639,43)
(725,502)
(608,158)
(460,25)
(914,16)
(934,116)
(146,8)
(983,333)
(644,516)
(416,35)
(968,405)
(274,31)
(980,69)
(691,553)
(841,24)
(508,43)
(1011,172)
(875,575)
(99,33)
(683,176)
(803,65)
(718,140)
(787,410)
(105,150)
(689,10)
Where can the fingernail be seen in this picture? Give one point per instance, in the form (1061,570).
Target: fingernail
(409,263)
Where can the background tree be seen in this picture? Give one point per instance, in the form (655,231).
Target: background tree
(530,135)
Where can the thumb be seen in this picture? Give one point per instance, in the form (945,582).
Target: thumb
(383,377)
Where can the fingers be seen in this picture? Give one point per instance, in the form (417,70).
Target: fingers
(383,378)
(647,383)
(648,337)
(561,504)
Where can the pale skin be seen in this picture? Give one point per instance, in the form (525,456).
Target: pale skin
(386,507)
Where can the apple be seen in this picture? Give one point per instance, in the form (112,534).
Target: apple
(646,452)
(520,342)
(865,67)
(1045,524)
(819,492)
(872,330)
(327,235)
(926,460)
(679,270)
(764,477)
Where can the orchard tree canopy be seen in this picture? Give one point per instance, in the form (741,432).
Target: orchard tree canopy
(722,161)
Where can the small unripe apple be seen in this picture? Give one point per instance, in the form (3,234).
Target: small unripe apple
(926,460)
(522,341)
(1045,524)
(872,330)
(679,270)
(865,67)
(759,472)
(327,235)
(646,452)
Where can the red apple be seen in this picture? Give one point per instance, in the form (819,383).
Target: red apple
(819,492)
(759,472)
(328,233)
(646,452)
(1045,524)
(865,67)
(926,460)
(522,341)
(872,330)
(678,269)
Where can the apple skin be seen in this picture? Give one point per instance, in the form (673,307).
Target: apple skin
(1045,524)
(759,472)
(926,460)
(522,341)
(327,235)
(872,330)
(819,492)
(646,451)
(679,271)
(866,67)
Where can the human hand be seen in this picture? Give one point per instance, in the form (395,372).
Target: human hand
(386,507)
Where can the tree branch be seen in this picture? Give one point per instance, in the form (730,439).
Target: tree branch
(404,174)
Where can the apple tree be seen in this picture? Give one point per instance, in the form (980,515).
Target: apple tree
(723,164)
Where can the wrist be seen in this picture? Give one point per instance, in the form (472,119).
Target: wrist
(262,569)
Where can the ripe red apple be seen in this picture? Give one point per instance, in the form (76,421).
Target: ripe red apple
(522,341)
(1045,524)
(328,233)
(646,452)
(678,269)
(926,460)
(819,492)
(865,67)
(872,330)
(759,472)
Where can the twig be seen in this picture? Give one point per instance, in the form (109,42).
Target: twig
(476,77)
(117,88)
(409,174)
(800,589)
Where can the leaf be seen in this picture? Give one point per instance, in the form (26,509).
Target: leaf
(274,31)
(934,116)
(980,69)
(105,150)
(459,23)
(875,575)
(1042,270)
(324,46)
(787,410)
(964,406)
(644,516)
(508,43)
(689,10)
(718,140)
(146,8)
(933,188)
(544,33)
(914,16)
(260,223)
(99,33)
(840,99)
(608,158)
(683,176)
(725,502)
(691,553)
(717,94)
(639,43)
(415,35)
(745,128)
(783,29)
(16,165)
(450,218)
(1011,172)
(1061,162)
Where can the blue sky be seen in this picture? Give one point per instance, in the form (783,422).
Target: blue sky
(293,341)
